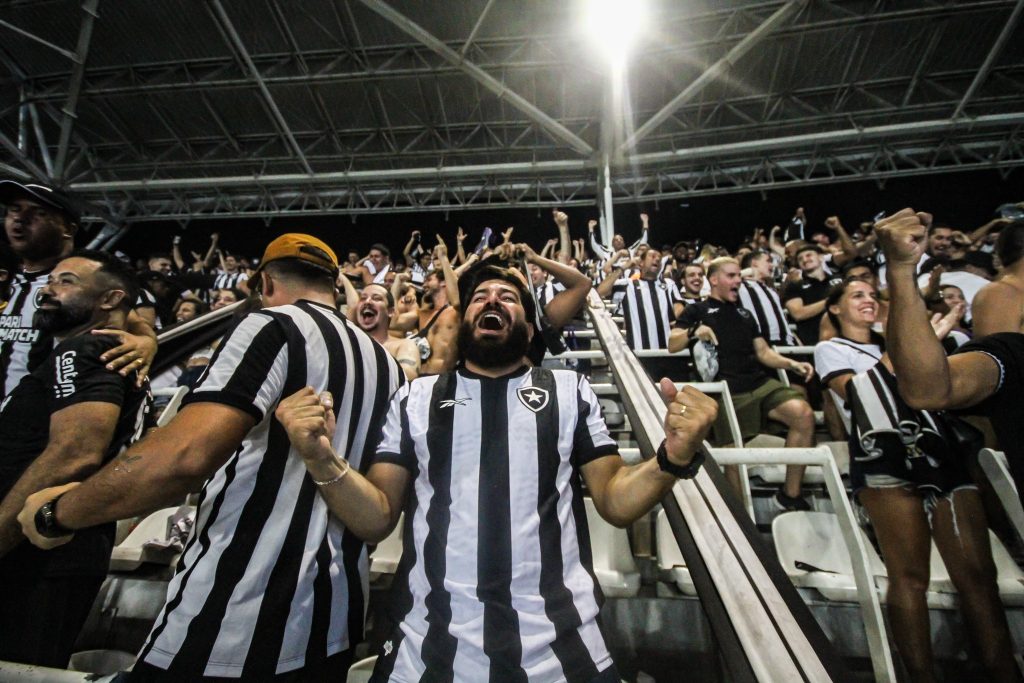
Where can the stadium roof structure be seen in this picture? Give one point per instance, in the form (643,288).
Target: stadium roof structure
(164,110)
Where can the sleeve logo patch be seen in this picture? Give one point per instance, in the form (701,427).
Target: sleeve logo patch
(66,374)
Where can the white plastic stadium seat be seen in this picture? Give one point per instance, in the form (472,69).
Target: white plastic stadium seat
(1009,578)
(388,552)
(670,558)
(614,565)
(361,671)
(172,407)
(815,540)
(133,551)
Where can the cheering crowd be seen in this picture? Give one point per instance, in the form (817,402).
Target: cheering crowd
(354,389)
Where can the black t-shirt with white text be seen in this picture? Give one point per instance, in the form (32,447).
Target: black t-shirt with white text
(735,328)
(72,374)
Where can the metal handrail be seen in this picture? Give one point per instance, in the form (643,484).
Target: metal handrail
(762,623)
(993,464)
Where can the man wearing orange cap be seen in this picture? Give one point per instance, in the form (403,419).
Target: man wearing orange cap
(271,585)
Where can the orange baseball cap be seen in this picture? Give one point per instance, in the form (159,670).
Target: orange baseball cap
(303,247)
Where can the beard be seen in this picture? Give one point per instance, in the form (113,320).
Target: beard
(493,353)
(64,317)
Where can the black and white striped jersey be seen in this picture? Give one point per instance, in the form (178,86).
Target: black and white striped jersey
(647,308)
(226,280)
(765,304)
(546,292)
(269,580)
(496,580)
(22,347)
(417,273)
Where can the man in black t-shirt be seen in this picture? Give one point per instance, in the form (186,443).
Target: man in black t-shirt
(986,374)
(40,224)
(805,298)
(63,421)
(743,354)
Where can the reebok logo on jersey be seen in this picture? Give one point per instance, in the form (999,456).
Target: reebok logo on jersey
(66,374)
(388,648)
(533,398)
(448,403)
(712,310)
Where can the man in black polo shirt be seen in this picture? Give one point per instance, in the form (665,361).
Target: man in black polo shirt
(805,298)
(743,355)
(62,422)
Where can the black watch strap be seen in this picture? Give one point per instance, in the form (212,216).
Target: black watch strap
(688,471)
(46,520)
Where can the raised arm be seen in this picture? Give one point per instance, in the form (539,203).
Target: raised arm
(623,493)
(562,223)
(564,306)
(602,252)
(645,225)
(927,378)
(214,241)
(451,280)
(773,241)
(460,252)
(849,249)
(179,260)
(407,251)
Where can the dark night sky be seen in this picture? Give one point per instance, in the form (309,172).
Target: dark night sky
(962,200)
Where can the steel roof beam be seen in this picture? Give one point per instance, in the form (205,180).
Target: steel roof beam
(542,167)
(29,165)
(70,108)
(235,41)
(133,79)
(779,17)
(990,59)
(476,28)
(553,127)
(31,36)
(713,179)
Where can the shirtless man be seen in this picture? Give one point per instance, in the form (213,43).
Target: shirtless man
(999,305)
(371,312)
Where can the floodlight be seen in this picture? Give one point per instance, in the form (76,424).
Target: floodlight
(614,24)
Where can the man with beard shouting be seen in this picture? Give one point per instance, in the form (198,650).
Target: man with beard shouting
(487,462)
(60,424)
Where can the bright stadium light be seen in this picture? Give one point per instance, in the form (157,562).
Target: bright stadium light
(614,24)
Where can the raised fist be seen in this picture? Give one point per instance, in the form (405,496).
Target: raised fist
(561,218)
(904,236)
(591,224)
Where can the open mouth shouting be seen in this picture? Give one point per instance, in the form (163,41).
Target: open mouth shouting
(368,316)
(493,321)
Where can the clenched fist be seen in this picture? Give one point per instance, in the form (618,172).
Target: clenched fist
(688,420)
(309,421)
(904,236)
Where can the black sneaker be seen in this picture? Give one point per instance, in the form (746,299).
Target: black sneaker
(790,504)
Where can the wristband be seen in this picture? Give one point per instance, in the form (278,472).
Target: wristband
(46,520)
(688,471)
